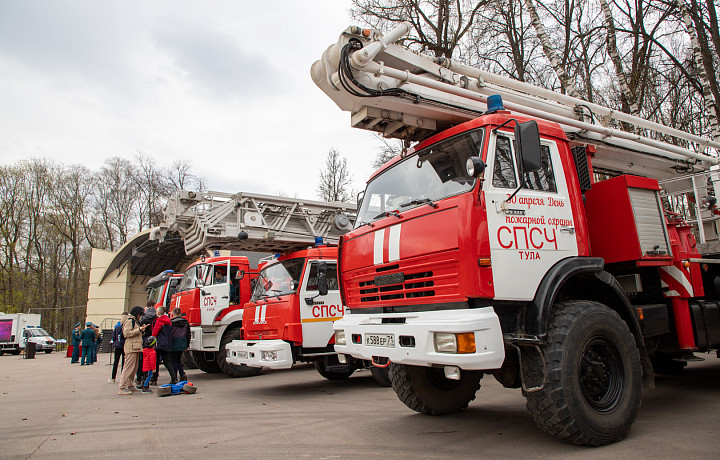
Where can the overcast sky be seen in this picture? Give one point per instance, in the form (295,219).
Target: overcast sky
(224,84)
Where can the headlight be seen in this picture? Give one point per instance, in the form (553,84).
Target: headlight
(445,343)
(269,355)
(340,337)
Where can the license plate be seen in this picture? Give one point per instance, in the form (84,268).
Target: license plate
(242,354)
(380,340)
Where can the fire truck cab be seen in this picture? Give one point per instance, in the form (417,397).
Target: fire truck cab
(211,295)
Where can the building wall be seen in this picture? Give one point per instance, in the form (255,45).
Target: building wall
(108,300)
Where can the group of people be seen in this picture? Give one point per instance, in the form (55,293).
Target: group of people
(90,340)
(147,338)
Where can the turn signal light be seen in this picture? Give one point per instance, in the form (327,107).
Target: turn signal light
(466,342)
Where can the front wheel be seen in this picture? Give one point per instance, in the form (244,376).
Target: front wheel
(331,368)
(428,391)
(594,378)
(381,376)
(47,352)
(206,361)
(233,370)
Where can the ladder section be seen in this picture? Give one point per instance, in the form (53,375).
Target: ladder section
(252,222)
(392,90)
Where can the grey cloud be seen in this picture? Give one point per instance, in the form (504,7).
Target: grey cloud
(216,62)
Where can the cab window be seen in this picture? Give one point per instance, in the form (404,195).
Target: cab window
(332,279)
(504,169)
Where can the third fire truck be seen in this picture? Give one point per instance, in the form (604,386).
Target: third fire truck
(289,318)
(493,247)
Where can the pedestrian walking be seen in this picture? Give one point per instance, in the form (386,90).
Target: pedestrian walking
(87,339)
(180,342)
(149,358)
(132,331)
(118,342)
(76,345)
(163,331)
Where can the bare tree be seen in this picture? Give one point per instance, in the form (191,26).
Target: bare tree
(335,179)
(439,25)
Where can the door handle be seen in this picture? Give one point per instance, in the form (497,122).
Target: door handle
(570,230)
(224,297)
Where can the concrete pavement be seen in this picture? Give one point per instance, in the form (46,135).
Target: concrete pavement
(51,409)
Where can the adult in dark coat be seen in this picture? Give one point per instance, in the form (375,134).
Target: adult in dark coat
(118,342)
(87,339)
(147,320)
(75,344)
(180,342)
(163,331)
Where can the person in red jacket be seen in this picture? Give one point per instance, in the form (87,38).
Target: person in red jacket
(163,331)
(149,358)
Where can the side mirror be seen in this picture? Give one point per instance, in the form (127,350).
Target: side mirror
(527,146)
(199,283)
(322,278)
(240,275)
(253,284)
(358,200)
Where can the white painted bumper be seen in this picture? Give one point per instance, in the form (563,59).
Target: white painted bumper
(275,354)
(490,350)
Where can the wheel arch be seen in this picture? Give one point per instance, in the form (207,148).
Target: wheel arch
(584,278)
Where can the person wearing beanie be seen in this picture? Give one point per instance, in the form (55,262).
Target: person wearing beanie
(132,331)
(87,338)
(163,331)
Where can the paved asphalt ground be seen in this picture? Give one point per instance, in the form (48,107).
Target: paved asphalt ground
(51,409)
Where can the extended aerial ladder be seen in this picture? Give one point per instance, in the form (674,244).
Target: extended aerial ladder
(401,94)
(392,90)
(252,222)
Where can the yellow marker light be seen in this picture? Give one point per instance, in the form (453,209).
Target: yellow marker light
(466,342)
(366,32)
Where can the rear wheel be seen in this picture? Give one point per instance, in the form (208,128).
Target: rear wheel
(428,391)
(48,351)
(330,368)
(381,375)
(594,377)
(206,361)
(233,370)
(16,352)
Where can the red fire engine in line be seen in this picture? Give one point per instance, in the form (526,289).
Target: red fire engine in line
(290,315)
(492,247)
(214,290)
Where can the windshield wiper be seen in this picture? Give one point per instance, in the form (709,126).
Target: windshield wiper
(388,213)
(427,201)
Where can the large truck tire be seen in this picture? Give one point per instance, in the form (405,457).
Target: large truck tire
(381,376)
(428,391)
(187,360)
(16,352)
(233,370)
(330,368)
(594,377)
(206,361)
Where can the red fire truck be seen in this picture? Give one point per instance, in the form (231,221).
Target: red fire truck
(289,318)
(211,295)
(522,237)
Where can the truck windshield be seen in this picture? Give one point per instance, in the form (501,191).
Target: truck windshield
(278,279)
(437,171)
(155,293)
(38,333)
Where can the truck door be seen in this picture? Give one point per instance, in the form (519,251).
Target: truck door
(534,229)
(317,312)
(215,294)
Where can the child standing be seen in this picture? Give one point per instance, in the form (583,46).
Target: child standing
(149,360)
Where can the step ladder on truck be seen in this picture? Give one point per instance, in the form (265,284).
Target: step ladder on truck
(215,290)
(491,247)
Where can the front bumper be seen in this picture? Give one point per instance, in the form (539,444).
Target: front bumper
(275,354)
(421,326)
